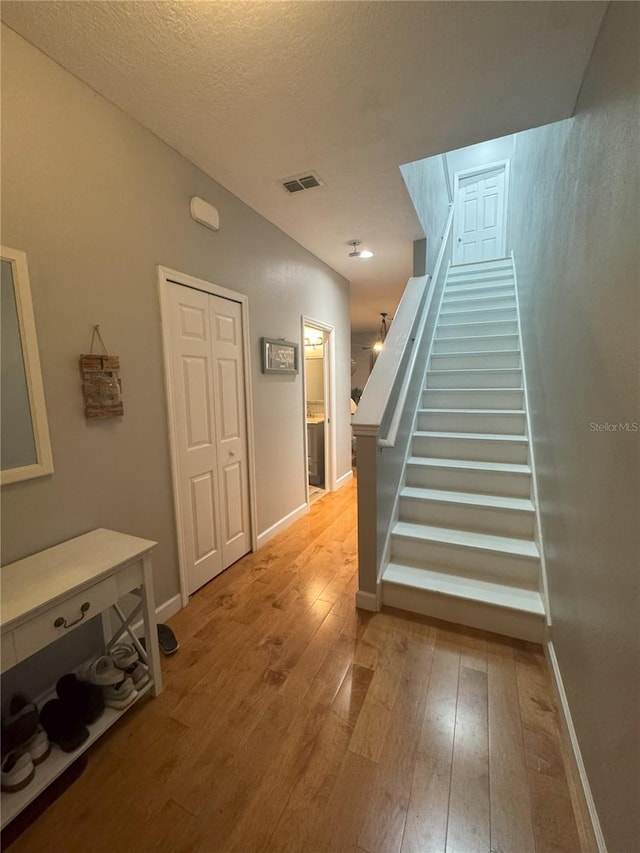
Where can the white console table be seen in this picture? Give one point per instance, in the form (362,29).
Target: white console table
(51,593)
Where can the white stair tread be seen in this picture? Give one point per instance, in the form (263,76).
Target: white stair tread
(479,352)
(482,436)
(490,370)
(503,467)
(470,411)
(468,498)
(487,338)
(513,598)
(467,539)
(475,390)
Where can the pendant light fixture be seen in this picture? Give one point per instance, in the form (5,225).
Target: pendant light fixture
(379,344)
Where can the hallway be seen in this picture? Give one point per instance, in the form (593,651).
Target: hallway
(292,722)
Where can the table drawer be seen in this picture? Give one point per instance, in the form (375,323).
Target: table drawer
(42,630)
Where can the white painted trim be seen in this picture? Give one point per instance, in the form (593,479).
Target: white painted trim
(532,459)
(169,608)
(33,374)
(167,277)
(390,439)
(395,512)
(479,170)
(344,479)
(281,525)
(575,747)
(330,433)
(447,179)
(369,600)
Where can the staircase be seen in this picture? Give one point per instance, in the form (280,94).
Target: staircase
(464,546)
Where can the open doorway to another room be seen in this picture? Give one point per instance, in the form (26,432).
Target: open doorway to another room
(317,408)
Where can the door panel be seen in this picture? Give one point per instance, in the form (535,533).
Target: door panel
(194,434)
(228,356)
(479,217)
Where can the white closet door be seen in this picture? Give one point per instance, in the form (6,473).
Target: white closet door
(195,434)
(231,427)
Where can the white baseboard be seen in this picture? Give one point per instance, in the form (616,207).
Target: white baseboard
(341,481)
(281,525)
(586,807)
(169,608)
(368,600)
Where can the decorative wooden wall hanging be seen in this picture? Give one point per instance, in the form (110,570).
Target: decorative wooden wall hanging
(101,384)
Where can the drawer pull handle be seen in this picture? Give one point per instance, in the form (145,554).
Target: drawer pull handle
(61,622)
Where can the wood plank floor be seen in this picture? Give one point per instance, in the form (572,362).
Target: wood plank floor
(292,722)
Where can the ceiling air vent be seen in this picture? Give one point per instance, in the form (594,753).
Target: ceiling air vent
(303,182)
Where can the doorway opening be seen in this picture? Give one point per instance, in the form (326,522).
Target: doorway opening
(318,408)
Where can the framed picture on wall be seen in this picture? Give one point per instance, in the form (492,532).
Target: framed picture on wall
(279,356)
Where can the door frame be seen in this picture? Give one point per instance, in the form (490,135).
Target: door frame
(166,279)
(330,434)
(479,170)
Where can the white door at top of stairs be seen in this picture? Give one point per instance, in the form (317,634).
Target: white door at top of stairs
(479,221)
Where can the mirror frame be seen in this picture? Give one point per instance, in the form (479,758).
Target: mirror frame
(33,374)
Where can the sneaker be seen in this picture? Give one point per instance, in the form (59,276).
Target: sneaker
(101,671)
(139,674)
(121,695)
(17,771)
(38,746)
(20,723)
(85,697)
(123,655)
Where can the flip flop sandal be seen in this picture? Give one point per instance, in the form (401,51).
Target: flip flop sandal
(167,639)
(63,725)
(123,655)
(17,771)
(101,671)
(85,697)
(21,722)
(38,746)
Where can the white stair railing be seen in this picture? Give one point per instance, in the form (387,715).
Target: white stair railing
(383,423)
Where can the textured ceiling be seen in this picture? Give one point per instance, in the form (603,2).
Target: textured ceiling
(254,92)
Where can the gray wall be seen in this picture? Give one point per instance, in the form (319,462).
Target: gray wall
(96,201)
(427,185)
(575,230)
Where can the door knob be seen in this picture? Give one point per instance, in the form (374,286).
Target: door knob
(232,453)
(459,239)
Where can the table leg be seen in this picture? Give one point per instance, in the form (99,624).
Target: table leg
(150,630)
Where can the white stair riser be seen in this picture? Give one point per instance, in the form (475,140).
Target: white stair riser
(472,562)
(473,303)
(474,361)
(475,614)
(476,344)
(477,315)
(475,449)
(483,519)
(471,330)
(456,295)
(497,423)
(506,484)
(472,398)
(474,379)
(471,272)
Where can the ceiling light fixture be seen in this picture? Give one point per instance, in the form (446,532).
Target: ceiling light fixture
(356,253)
